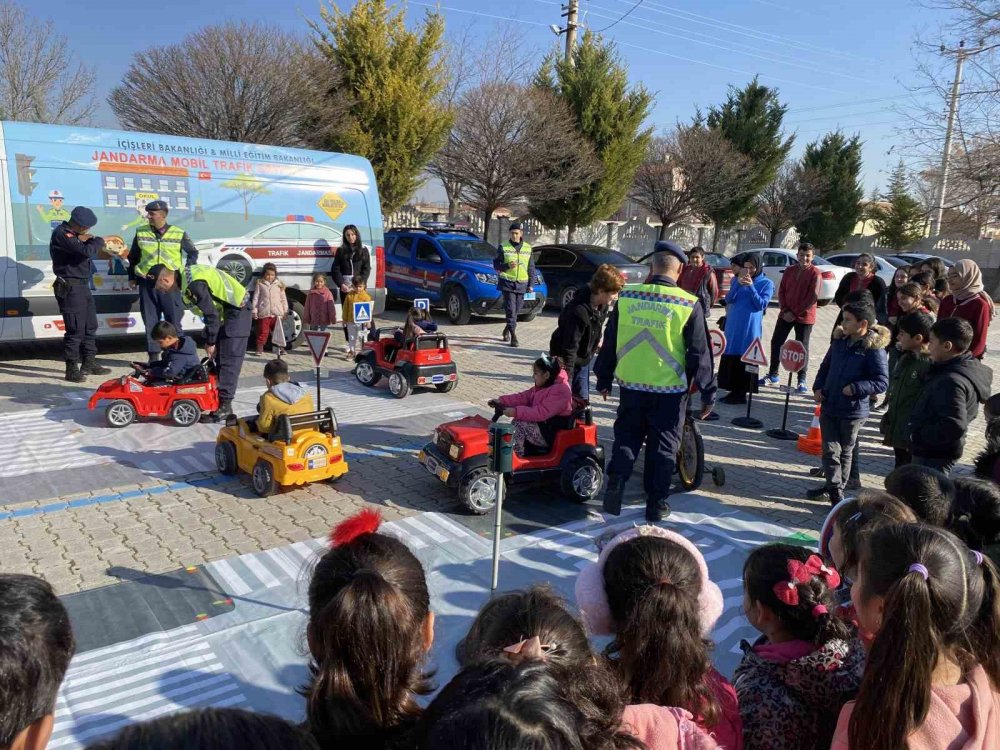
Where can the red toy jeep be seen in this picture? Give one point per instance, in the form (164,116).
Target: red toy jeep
(422,363)
(458,455)
(182,401)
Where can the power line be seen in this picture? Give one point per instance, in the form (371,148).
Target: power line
(849,104)
(627,14)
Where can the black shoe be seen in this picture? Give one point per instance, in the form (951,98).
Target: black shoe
(513,340)
(817,493)
(816,471)
(73,373)
(90,367)
(660,509)
(835,497)
(225,409)
(613,493)
(506,333)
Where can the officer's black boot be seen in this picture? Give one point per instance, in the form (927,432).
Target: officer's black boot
(224,410)
(656,510)
(613,493)
(73,373)
(506,333)
(513,338)
(90,367)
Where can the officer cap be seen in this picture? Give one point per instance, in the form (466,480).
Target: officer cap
(83,217)
(157,206)
(515,225)
(666,246)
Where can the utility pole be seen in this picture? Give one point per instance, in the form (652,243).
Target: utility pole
(946,155)
(572,9)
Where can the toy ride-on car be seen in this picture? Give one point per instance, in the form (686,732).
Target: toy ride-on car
(137,395)
(424,362)
(458,456)
(301,448)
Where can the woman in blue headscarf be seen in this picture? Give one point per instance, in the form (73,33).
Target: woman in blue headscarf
(746,302)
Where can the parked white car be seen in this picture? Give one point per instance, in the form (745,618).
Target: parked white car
(777,260)
(885,269)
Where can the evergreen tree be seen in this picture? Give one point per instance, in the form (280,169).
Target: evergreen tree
(609,114)
(901,223)
(751,120)
(389,79)
(838,160)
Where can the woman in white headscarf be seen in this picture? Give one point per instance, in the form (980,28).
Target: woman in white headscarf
(968,300)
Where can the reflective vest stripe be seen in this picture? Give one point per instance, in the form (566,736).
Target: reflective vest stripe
(225,290)
(519,258)
(645,337)
(650,347)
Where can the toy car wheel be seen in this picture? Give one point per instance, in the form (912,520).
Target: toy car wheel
(691,457)
(478,490)
(365,371)
(399,386)
(262,478)
(457,304)
(185,413)
(446,387)
(225,458)
(119,413)
(719,476)
(581,479)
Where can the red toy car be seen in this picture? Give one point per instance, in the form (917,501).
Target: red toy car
(182,401)
(458,455)
(422,363)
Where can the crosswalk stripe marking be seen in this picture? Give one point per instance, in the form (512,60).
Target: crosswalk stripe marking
(234,584)
(258,569)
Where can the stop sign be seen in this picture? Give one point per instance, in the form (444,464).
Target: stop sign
(793,355)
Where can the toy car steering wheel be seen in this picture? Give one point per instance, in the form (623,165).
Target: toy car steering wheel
(497,409)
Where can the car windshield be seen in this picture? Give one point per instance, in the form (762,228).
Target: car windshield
(895,262)
(599,255)
(716,260)
(819,261)
(470,249)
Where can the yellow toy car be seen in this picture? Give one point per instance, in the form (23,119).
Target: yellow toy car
(302,448)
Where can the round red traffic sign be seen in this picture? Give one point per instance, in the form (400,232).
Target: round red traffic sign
(793,355)
(718,341)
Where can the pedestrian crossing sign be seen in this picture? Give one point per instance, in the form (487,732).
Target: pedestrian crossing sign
(362,312)
(422,304)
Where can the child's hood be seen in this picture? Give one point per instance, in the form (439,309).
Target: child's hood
(288,392)
(972,370)
(830,674)
(878,337)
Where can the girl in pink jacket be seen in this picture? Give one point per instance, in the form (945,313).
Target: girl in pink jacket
(933,671)
(550,397)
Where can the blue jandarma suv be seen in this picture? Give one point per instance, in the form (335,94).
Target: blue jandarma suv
(451,267)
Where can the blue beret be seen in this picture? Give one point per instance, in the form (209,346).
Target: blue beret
(666,246)
(515,225)
(157,206)
(83,217)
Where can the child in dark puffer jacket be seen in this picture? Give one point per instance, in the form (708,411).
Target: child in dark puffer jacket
(794,680)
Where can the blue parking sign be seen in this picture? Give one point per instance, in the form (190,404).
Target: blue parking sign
(422,304)
(362,312)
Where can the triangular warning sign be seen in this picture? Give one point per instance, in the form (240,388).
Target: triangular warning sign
(318,341)
(362,312)
(754,355)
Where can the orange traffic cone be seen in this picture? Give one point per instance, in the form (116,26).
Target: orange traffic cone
(812,442)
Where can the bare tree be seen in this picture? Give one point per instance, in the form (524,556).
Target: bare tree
(40,79)
(514,143)
(502,60)
(688,172)
(234,82)
(791,198)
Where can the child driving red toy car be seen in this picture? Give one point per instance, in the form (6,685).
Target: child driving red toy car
(179,355)
(532,409)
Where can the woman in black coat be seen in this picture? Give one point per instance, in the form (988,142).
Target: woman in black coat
(862,277)
(351,259)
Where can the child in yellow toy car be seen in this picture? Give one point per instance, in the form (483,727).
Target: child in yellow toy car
(281,397)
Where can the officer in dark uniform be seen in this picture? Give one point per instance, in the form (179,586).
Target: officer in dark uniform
(515,268)
(159,243)
(225,305)
(72,248)
(656,344)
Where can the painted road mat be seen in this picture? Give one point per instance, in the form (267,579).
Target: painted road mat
(251,651)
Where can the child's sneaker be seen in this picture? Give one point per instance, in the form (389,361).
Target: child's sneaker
(802,389)
(259,352)
(769,380)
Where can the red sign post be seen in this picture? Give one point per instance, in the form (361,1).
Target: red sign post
(793,359)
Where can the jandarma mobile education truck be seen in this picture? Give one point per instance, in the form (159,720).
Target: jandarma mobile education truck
(243,205)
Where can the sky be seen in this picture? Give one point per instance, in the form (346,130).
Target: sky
(845,64)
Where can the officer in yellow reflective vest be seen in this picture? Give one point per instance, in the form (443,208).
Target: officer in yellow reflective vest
(656,345)
(225,306)
(158,243)
(515,276)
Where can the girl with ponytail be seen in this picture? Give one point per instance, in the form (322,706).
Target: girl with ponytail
(793,681)
(650,590)
(931,682)
(370,628)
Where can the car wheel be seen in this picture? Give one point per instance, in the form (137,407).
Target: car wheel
(293,324)
(237,267)
(478,491)
(446,387)
(119,413)
(225,458)
(366,372)
(566,297)
(185,413)
(399,386)
(691,457)
(457,304)
(581,479)
(262,478)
